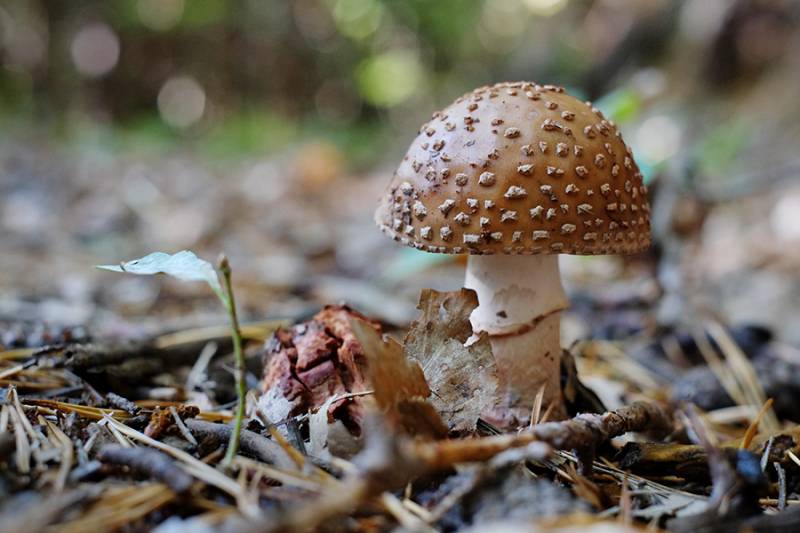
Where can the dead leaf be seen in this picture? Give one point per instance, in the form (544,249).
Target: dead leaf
(393,377)
(329,436)
(462,378)
(398,383)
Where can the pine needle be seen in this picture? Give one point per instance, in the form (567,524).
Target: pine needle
(744,373)
(625,503)
(258,331)
(120,508)
(293,454)
(12,371)
(793,457)
(537,405)
(67,454)
(92,413)
(752,429)
(18,353)
(193,466)
(404,517)
(291,479)
(23,452)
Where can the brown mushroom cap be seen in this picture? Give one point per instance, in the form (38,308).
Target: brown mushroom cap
(518,168)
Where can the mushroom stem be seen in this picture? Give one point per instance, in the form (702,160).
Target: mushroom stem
(520,302)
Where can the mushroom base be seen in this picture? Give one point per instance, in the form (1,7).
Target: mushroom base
(520,303)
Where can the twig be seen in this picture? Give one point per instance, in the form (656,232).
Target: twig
(149,462)
(252,443)
(792,456)
(92,355)
(781,486)
(182,426)
(119,402)
(75,378)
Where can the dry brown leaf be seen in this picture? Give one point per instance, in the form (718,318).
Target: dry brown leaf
(392,376)
(398,383)
(329,435)
(462,378)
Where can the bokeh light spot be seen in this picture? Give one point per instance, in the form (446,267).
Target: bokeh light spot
(181,101)
(501,25)
(390,78)
(357,19)
(95,50)
(658,138)
(545,8)
(23,47)
(784,220)
(160,15)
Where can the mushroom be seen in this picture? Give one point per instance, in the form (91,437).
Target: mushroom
(515,174)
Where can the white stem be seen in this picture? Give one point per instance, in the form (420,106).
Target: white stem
(520,302)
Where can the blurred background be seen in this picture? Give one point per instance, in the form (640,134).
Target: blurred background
(267,129)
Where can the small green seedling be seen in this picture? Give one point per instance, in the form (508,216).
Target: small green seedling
(186,266)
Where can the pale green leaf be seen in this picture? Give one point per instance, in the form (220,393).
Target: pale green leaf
(184,265)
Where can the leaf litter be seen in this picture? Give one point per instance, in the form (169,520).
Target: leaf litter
(380,433)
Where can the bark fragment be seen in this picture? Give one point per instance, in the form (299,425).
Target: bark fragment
(316,360)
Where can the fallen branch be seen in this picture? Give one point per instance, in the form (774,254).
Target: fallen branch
(148,462)
(583,434)
(92,355)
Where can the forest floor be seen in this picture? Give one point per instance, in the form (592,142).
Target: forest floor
(117,391)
